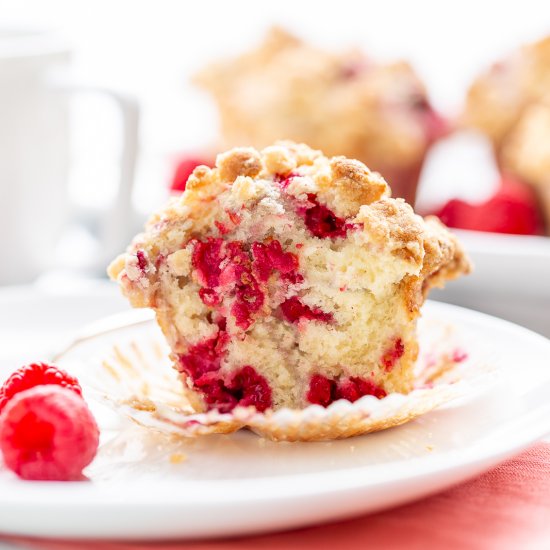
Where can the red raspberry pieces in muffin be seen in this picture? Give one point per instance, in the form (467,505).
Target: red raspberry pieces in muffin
(202,364)
(294,310)
(270,257)
(390,357)
(324,391)
(204,357)
(250,389)
(321,221)
(142,260)
(223,266)
(355,387)
(48,433)
(36,374)
(245,388)
(207,257)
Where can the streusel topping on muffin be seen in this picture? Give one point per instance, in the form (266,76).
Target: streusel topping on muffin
(283,278)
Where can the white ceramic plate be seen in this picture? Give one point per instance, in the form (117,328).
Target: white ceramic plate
(146,486)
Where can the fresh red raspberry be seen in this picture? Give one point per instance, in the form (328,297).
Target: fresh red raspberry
(36,374)
(184,169)
(512,209)
(48,433)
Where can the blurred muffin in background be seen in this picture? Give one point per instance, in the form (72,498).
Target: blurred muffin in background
(510,103)
(341,102)
(498,99)
(526,152)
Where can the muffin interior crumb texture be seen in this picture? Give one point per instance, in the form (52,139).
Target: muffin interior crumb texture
(283,278)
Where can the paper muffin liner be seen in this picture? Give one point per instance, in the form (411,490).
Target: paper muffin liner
(136,379)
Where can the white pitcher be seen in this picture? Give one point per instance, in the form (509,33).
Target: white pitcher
(34,156)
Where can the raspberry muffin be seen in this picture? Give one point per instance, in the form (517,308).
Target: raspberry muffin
(526,153)
(499,98)
(283,278)
(510,104)
(340,102)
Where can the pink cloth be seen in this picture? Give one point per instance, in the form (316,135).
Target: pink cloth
(506,508)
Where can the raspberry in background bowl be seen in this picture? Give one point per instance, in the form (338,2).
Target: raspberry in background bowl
(513,209)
